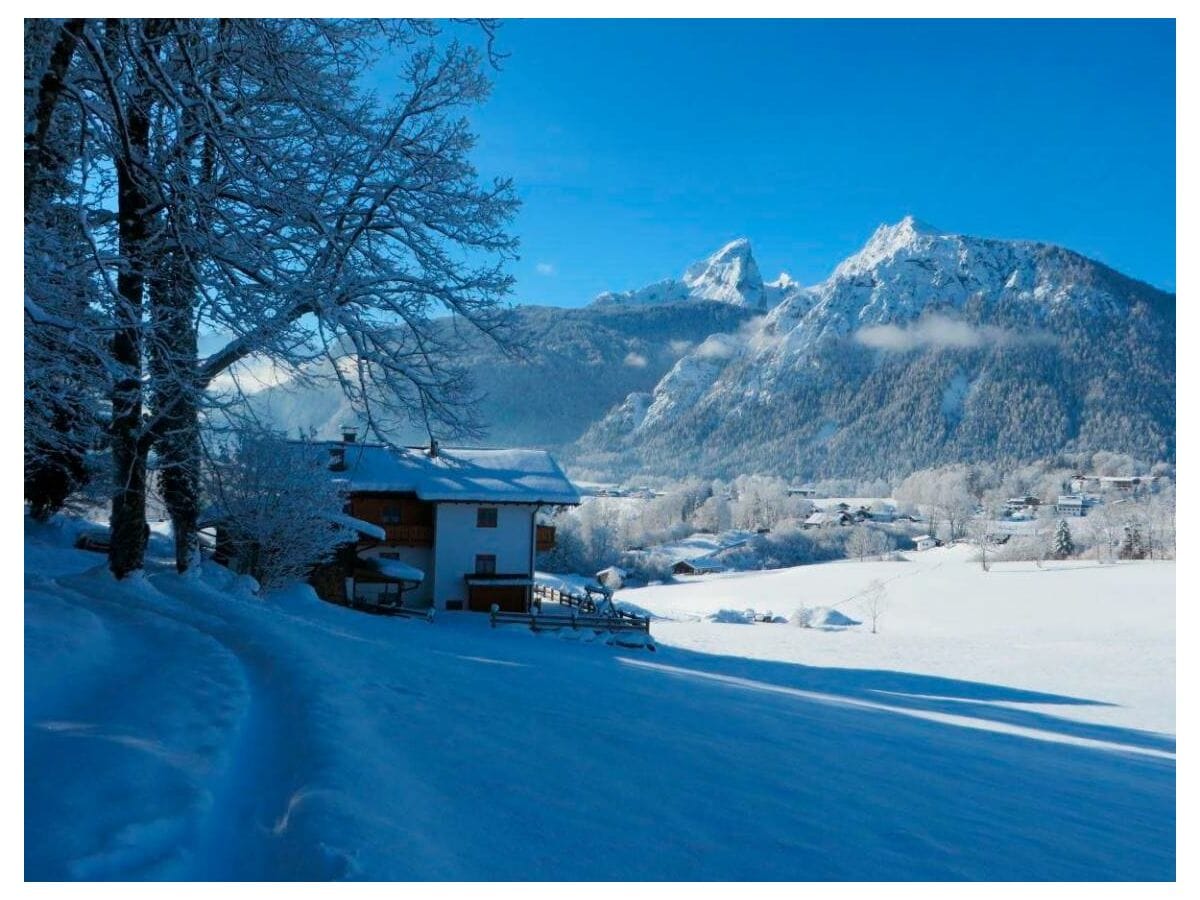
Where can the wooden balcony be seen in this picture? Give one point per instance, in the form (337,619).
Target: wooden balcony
(545,538)
(410,535)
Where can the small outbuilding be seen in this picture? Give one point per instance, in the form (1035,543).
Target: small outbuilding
(697,567)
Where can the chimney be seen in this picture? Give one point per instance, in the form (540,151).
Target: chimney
(337,459)
(433,448)
(349,434)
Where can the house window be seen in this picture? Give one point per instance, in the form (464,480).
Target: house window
(485,517)
(391,515)
(485,564)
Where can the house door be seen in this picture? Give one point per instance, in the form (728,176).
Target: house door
(509,599)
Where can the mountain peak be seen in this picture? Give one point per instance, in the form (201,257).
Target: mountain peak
(908,234)
(903,233)
(730,275)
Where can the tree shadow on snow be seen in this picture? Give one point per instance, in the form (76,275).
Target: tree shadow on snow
(992,706)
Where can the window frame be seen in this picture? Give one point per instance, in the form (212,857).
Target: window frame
(485,568)
(492,512)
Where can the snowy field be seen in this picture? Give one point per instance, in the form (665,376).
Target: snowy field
(180,728)
(1075,628)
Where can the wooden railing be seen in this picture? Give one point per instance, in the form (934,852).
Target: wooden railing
(586,604)
(411,535)
(611,624)
(545,538)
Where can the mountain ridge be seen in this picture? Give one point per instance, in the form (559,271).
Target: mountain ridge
(918,310)
(922,347)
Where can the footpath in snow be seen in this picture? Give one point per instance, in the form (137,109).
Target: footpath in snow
(180,728)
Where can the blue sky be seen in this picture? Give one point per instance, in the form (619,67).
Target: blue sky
(639,146)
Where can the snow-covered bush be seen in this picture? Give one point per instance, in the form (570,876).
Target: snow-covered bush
(279,511)
(802,617)
(647,567)
(732,616)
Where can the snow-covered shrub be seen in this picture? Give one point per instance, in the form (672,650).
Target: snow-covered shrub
(821,617)
(802,617)
(277,506)
(732,616)
(647,567)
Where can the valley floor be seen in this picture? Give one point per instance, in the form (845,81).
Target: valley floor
(179,728)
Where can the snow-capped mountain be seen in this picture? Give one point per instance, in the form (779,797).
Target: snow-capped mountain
(922,348)
(730,275)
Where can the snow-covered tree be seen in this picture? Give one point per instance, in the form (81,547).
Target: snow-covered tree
(1064,544)
(981,525)
(873,602)
(65,376)
(1133,544)
(1106,525)
(277,505)
(942,495)
(762,501)
(262,195)
(713,515)
(864,541)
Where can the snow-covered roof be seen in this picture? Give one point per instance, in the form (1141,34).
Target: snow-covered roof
(456,474)
(366,529)
(396,570)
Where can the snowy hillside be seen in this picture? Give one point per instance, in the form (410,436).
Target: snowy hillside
(923,348)
(614,350)
(568,367)
(181,728)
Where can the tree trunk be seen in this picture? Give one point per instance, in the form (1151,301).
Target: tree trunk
(128,520)
(173,368)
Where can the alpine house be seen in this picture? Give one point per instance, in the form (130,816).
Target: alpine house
(445,528)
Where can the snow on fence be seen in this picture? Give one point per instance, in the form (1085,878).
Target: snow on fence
(587,603)
(614,625)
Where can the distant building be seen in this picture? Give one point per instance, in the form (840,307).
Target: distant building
(803,490)
(1022,504)
(881,512)
(924,542)
(697,567)
(1125,484)
(829,519)
(1071,505)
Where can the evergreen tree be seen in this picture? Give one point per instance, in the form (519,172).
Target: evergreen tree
(1132,546)
(1064,545)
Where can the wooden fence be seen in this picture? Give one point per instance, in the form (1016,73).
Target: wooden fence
(585,603)
(611,624)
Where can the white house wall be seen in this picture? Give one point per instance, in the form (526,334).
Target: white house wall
(457,540)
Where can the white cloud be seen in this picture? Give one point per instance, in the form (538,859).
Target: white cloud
(938,331)
(635,360)
(545,268)
(719,346)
